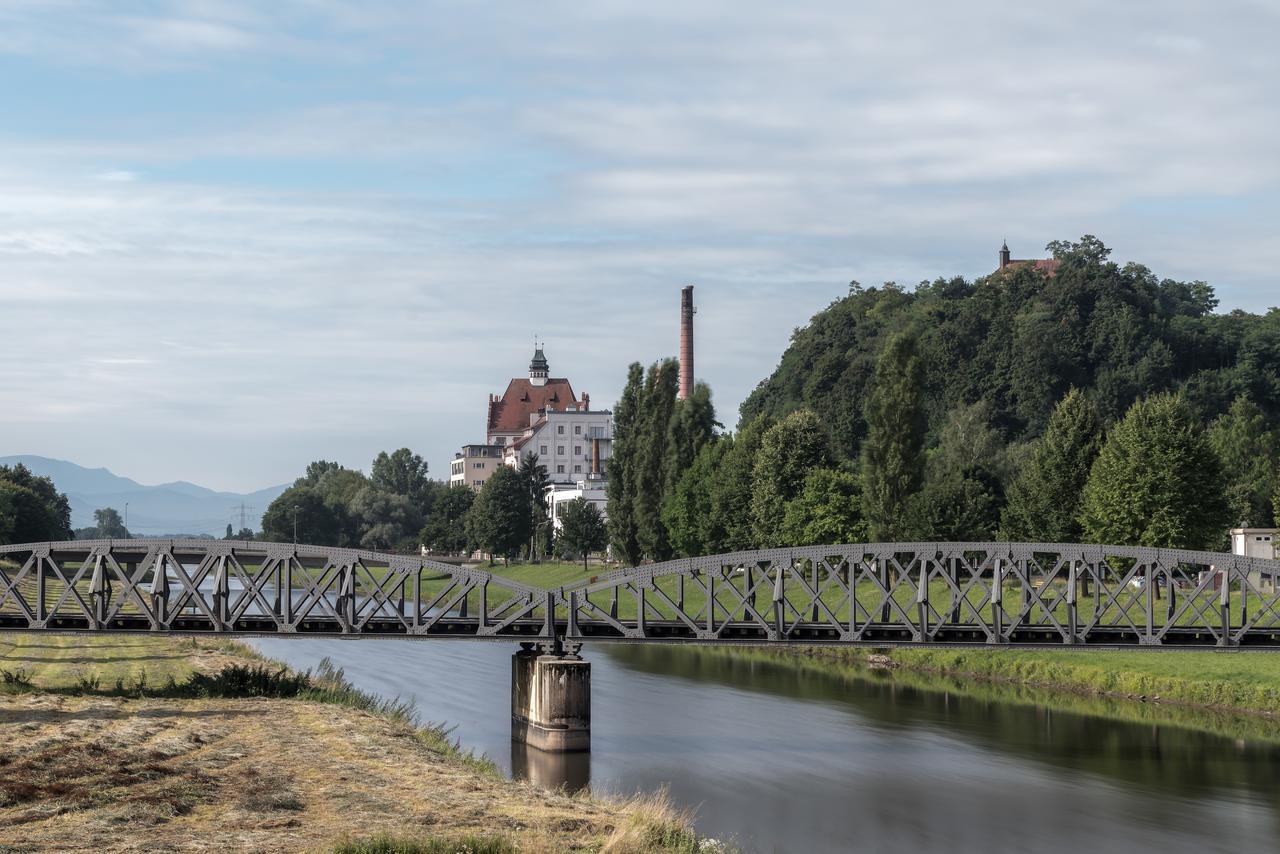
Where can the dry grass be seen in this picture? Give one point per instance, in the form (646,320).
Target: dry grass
(89,772)
(94,773)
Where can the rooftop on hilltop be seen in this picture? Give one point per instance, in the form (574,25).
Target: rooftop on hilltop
(1047,265)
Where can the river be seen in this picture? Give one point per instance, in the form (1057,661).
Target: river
(774,757)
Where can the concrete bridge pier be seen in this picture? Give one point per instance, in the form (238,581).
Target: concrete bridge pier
(551,697)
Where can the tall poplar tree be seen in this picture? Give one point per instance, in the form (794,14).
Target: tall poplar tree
(657,406)
(893,452)
(693,424)
(1044,499)
(1156,481)
(621,468)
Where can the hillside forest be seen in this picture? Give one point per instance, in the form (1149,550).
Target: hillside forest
(1099,403)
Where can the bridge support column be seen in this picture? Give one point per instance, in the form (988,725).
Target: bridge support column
(551,699)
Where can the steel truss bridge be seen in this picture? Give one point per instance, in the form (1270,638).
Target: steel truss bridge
(877,594)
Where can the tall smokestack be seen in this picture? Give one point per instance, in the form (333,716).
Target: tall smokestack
(686,341)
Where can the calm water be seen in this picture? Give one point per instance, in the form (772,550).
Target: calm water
(779,759)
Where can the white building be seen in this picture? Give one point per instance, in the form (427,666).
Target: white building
(558,494)
(1254,542)
(574,444)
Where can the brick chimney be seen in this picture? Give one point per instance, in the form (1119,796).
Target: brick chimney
(586,402)
(686,341)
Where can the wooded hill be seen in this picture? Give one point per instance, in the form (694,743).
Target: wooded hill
(1018,340)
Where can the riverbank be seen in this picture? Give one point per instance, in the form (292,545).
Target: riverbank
(103,750)
(1236,682)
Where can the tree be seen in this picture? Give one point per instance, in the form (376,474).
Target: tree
(1249,454)
(109,524)
(445,529)
(731,489)
(498,521)
(693,425)
(402,472)
(788,451)
(892,458)
(1156,481)
(954,508)
(318,469)
(31,508)
(534,475)
(229,533)
(622,470)
(388,520)
(688,513)
(582,529)
(827,510)
(657,406)
(1044,499)
(316,522)
(245,534)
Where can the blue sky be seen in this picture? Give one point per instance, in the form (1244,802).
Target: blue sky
(236,237)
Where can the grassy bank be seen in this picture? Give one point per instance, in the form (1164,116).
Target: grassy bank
(126,743)
(1241,682)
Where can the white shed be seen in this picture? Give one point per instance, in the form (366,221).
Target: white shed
(1254,542)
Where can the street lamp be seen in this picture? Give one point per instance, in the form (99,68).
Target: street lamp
(295,524)
(126,516)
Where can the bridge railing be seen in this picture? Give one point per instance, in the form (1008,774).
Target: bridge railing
(870,593)
(991,593)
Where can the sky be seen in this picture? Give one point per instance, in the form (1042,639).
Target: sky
(237,237)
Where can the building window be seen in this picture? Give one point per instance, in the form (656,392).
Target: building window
(544,450)
(577,469)
(560,429)
(560,450)
(577,449)
(577,429)
(560,469)
(478,482)
(477,465)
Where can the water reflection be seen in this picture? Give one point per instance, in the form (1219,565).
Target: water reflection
(1163,757)
(570,771)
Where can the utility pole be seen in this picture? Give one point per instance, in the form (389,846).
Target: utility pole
(244,514)
(126,515)
(295,524)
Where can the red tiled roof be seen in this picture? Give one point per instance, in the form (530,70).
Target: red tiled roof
(1047,265)
(510,413)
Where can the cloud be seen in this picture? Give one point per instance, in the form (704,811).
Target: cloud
(353,219)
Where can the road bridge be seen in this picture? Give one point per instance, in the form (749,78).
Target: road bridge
(873,594)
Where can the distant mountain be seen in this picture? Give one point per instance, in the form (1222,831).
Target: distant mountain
(170,508)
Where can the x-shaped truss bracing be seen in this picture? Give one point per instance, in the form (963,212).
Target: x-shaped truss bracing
(865,593)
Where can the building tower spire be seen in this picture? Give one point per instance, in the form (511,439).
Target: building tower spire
(538,369)
(1004,255)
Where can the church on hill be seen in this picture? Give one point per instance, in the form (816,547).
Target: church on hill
(1049,266)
